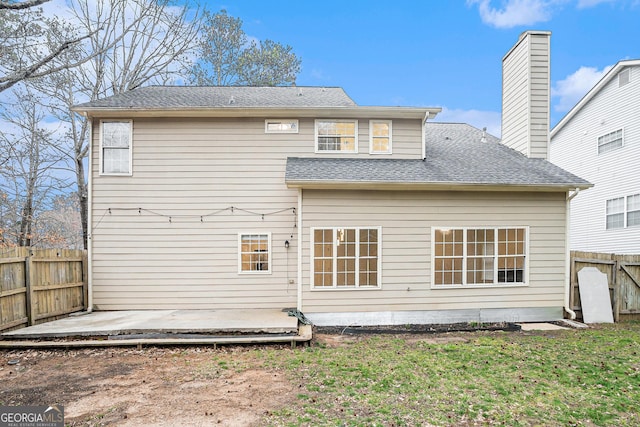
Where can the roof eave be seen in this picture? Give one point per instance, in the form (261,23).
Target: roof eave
(308,112)
(431,186)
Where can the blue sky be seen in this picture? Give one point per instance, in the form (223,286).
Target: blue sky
(443,53)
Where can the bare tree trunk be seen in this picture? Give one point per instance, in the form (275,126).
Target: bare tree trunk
(83,200)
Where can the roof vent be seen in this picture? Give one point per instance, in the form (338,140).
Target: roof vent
(484,135)
(232,100)
(299,91)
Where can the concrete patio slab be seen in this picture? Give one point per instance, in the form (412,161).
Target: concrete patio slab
(104,323)
(540,327)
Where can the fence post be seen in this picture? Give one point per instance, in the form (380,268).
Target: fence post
(29,276)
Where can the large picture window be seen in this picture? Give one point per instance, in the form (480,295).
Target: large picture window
(115,147)
(345,258)
(479,256)
(337,136)
(254,253)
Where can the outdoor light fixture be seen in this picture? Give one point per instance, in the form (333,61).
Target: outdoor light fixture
(286,244)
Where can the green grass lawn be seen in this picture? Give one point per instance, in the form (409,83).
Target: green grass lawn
(560,378)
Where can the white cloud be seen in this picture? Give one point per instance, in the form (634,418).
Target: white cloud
(492,120)
(585,4)
(575,86)
(514,13)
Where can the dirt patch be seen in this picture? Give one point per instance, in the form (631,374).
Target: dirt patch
(152,386)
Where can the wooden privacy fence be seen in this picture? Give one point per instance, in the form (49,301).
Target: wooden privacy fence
(39,285)
(623,274)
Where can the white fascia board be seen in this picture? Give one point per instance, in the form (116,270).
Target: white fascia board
(314,112)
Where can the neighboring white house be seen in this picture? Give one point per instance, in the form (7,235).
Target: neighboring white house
(599,140)
(277,197)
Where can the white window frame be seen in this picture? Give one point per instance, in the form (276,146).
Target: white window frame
(496,255)
(355,142)
(607,143)
(335,286)
(371,136)
(622,212)
(101,154)
(293,128)
(269,253)
(627,210)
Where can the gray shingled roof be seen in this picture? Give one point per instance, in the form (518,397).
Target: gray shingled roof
(454,155)
(198,97)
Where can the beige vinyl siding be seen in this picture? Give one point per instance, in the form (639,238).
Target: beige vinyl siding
(515,97)
(539,98)
(406,219)
(525,86)
(193,167)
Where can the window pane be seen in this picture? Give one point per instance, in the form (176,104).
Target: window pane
(615,221)
(336,136)
(615,213)
(254,252)
(633,210)
(511,256)
(610,141)
(115,160)
(116,134)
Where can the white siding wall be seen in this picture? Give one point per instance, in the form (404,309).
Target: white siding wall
(525,92)
(406,219)
(615,174)
(195,167)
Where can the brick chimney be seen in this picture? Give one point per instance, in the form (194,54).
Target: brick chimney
(526,81)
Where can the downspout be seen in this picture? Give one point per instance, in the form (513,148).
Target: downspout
(424,138)
(90,219)
(567,266)
(299,225)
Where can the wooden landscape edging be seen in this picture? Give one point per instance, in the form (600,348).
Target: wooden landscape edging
(623,275)
(39,285)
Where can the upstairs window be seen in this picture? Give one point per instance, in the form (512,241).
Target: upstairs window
(615,213)
(280,126)
(479,256)
(254,253)
(115,147)
(623,212)
(336,136)
(610,141)
(633,210)
(380,137)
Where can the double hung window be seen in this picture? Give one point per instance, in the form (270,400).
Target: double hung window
(115,147)
(337,136)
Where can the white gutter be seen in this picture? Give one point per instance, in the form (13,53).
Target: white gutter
(567,267)
(299,225)
(89,220)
